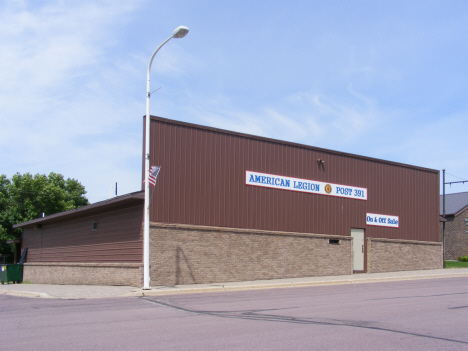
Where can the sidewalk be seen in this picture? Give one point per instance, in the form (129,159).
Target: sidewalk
(94,291)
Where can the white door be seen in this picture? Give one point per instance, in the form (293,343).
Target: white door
(358,249)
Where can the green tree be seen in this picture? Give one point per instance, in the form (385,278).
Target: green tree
(26,197)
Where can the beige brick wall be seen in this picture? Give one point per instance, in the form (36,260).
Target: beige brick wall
(456,236)
(183,254)
(390,255)
(130,274)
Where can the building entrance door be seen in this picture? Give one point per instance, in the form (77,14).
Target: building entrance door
(358,249)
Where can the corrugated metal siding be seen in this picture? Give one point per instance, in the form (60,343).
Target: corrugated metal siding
(202,182)
(118,239)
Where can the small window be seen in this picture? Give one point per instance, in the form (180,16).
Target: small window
(95,225)
(334,241)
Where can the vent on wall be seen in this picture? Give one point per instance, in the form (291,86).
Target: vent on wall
(334,241)
(95,225)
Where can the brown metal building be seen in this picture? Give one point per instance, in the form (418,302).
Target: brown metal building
(202,182)
(229,206)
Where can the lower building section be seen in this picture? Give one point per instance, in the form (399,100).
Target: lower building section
(129,274)
(391,255)
(185,254)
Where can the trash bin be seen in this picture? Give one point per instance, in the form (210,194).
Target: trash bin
(11,273)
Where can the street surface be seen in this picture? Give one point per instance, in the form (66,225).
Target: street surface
(409,315)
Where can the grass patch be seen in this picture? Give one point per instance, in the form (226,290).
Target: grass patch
(456,264)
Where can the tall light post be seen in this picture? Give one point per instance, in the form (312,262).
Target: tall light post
(179,32)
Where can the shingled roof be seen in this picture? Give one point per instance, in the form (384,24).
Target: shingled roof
(454,203)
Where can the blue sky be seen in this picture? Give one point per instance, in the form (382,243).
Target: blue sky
(385,79)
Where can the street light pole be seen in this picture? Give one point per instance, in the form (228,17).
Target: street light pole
(443,223)
(179,32)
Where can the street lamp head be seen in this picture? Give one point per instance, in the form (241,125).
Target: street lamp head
(180,32)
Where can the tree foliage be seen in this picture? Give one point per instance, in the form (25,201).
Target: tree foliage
(26,197)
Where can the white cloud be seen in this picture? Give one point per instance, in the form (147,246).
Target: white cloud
(60,95)
(334,120)
(48,45)
(305,117)
(437,144)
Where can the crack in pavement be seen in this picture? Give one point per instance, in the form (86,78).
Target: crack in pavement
(417,296)
(256,316)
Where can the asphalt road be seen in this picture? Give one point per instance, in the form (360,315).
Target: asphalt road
(410,315)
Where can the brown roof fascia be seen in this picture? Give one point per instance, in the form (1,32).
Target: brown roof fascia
(288,143)
(459,212)
(122,201)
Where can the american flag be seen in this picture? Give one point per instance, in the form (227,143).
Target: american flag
(153,175)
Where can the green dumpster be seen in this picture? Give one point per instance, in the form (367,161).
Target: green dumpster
(11,273)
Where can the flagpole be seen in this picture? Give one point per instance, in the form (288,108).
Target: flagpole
(179,32)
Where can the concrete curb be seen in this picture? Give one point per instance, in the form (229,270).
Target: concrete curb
(298,284)
(93,292)
(26,294)
(181,290)
(265,285)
